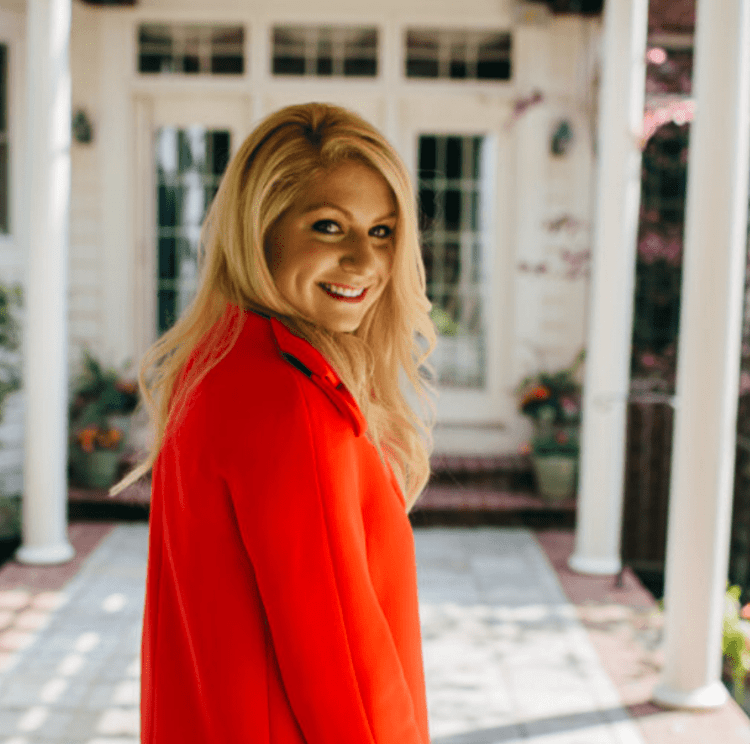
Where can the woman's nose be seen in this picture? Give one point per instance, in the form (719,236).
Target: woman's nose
(359,253)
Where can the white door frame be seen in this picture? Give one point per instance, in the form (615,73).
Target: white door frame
(486,407)
(227,111)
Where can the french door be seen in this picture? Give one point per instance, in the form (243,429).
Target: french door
(460,166)
(184,145)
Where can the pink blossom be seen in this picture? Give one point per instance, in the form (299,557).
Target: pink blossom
(744,382)
(673,252)
(651,247)
(648,360)
(656,55)
(569,406)
(524,449)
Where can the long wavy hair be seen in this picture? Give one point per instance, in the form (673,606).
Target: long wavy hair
(388,351)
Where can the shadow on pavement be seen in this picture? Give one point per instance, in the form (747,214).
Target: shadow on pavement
(551,725)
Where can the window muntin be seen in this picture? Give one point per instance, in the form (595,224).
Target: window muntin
(452,197)
(325,51)
(458,54)
(189,166)
(4,145)
(191,49)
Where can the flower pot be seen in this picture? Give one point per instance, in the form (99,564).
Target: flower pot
(10,517)
(555,475)
(97,469)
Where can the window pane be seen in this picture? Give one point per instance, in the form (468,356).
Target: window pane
(450,200)
(189,164)
(191,49)
(325,51)
(458,54)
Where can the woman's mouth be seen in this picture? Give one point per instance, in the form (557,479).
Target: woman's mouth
(343,292)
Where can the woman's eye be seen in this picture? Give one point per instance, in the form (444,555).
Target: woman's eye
(381,231)
(329,227)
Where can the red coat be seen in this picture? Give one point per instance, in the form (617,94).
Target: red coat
(281,597)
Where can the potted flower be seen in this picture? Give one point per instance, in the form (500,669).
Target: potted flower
(10,381)
(552,400)
(735,644)
(102,402)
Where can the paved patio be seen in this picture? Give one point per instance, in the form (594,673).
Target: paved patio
(517,648)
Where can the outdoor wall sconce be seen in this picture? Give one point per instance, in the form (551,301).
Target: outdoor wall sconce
(562,138)
(82,130)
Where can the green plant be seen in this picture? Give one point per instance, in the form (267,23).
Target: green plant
(444,322)
(735,643)
(10,335)
(99,393)
(552,400)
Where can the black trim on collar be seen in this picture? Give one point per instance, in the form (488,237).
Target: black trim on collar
(259,312)
(296,363)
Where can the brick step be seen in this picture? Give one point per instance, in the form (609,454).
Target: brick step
(505,473)
(469,497)
(139,494)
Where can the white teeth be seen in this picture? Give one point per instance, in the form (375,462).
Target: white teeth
(343,291)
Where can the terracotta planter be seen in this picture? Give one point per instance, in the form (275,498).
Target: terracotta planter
(556,476)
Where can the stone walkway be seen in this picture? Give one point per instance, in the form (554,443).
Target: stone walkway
(508,658)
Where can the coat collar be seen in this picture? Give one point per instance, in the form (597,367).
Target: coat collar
(308,360)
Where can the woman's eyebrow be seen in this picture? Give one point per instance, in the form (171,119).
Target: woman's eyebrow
(329,205)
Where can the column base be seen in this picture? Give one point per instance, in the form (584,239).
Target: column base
(594,566)
(42,555)
(704,698)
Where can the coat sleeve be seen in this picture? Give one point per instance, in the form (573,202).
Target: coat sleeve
(300,519)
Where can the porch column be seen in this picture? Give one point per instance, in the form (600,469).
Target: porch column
(48,122)
(703,457)
(621,102)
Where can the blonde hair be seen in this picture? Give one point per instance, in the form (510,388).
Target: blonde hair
(270,171)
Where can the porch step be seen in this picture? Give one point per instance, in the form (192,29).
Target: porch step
(458,497)
(506,472)
(497,489)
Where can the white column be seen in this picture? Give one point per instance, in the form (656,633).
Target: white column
(703,458)
(46,330)
(618,186)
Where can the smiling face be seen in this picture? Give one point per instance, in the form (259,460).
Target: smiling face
(331,253)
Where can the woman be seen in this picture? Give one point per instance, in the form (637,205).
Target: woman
(281,602)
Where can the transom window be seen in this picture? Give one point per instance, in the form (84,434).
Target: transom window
(452,195)
(4,184)
(191,49)
(458,54)
(346,51)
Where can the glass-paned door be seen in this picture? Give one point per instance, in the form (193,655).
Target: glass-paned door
(184,145)
(189,165)
(462,170)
